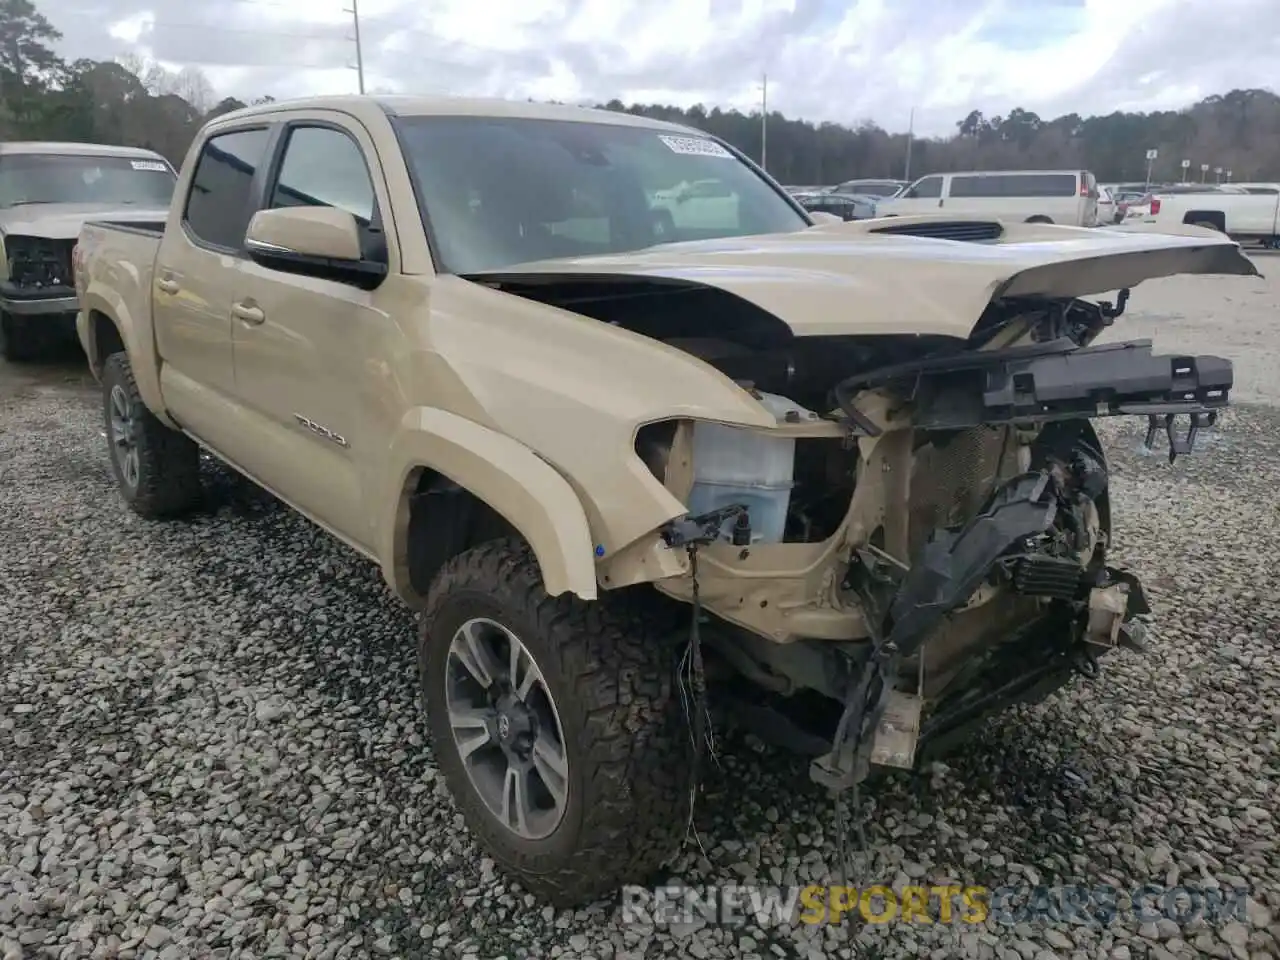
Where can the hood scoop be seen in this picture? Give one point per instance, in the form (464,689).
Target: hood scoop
(963,231)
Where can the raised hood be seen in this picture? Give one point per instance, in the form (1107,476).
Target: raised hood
(847,279)
(62,221)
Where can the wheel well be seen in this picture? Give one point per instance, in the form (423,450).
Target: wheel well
(106,339)
(444,520)
(1216,217)
(1039,218)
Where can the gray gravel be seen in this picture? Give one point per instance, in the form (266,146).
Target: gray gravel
(210,743)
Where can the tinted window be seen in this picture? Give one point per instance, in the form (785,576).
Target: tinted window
(927,188)
(1040,185)
(1265,190)
(977,186)
(218,207)
(323,167)
(499,191)
(27,178)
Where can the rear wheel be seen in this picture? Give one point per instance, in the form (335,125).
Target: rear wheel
(1207,224)
(156,468)
(556,724)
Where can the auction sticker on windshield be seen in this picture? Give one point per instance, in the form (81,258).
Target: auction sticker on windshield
(695,146)
(155,165)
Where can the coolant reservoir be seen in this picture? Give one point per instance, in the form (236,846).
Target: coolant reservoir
(732,465)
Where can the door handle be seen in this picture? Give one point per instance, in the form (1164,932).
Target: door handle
(167,285)
(246,312)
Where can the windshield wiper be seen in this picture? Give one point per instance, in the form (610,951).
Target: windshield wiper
(23,203)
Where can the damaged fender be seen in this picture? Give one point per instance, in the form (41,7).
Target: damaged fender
(509,477)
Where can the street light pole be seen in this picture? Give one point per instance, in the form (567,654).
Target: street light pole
(911,131)
(354,10)
(764,122)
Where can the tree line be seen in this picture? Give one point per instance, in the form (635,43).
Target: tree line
(130,101)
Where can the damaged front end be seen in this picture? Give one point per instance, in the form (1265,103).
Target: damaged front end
(968,569)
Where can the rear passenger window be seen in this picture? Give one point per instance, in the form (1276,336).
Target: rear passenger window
(323,167)
(977,186)
(218,206)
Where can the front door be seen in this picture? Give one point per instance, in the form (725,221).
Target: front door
(303,345)
(923,196)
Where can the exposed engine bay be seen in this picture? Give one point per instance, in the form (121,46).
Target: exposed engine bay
(38,264)
(923,538)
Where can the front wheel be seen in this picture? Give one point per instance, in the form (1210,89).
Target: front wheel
(156,468)
(556,725)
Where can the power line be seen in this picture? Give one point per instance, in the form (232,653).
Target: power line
(207,28)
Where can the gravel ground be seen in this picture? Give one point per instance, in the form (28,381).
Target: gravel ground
(210,744)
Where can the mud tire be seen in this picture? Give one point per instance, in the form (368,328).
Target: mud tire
(610,665)
(168,461)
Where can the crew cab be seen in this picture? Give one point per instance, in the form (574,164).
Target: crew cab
(1244,214)
(47,191)
(842,475)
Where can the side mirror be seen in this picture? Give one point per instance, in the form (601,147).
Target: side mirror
(321,242)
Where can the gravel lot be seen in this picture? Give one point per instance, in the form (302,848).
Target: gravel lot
(210,744)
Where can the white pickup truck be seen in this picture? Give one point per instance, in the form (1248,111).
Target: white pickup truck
(1246,217)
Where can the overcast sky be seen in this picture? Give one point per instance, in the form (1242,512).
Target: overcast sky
(841,60)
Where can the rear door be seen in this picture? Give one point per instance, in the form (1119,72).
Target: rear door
(195,267)
(1087,189)
(978,194)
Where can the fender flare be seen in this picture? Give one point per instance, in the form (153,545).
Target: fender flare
(527,491)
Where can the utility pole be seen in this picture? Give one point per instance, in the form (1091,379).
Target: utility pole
(354,10)
(911,129)
(764,122)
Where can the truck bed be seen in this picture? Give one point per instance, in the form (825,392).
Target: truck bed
(149,228)
(121,255)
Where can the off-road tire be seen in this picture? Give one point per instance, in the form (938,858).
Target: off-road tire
(610,665)
(168,461)
(17,342)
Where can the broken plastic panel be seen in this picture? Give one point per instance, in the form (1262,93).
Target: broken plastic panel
(1055,381)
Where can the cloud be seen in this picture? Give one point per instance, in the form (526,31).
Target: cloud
(839,60)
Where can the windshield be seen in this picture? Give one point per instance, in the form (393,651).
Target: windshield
(58,178)
(503,191)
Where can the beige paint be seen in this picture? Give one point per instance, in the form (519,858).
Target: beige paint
(535,409)
(316,231)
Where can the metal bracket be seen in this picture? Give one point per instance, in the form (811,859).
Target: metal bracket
(893,744)
(1177,445)
(707,527)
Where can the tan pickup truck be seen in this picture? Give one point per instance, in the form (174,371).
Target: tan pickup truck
(837,478)
(47,192)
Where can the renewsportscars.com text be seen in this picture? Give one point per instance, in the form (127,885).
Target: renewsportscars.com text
(1098,905)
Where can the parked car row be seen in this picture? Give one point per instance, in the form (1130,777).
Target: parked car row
(1247,211)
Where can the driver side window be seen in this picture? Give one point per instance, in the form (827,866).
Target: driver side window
(926,188)
(323,167)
